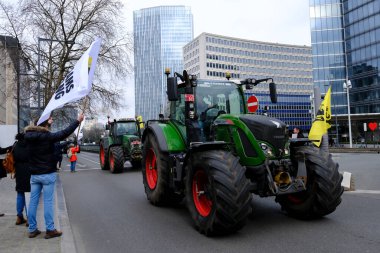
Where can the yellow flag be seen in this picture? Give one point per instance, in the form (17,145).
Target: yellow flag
(140,120)
(322,120)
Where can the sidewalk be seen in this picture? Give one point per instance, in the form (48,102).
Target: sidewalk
(14,239)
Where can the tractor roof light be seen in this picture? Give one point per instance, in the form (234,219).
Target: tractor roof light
(167,71)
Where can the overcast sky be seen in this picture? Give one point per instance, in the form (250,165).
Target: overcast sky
(281,21)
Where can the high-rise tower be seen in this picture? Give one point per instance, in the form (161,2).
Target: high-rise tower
(159,36)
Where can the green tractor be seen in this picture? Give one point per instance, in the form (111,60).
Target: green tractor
(214,154)
(122,143)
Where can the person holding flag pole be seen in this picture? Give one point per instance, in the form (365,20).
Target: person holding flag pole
(322,121)
(40,141)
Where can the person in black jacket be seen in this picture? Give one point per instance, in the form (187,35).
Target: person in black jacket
(58,151)
(20,154)
(42,166)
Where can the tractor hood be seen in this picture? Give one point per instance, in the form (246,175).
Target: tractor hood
(130,138)
(267,129)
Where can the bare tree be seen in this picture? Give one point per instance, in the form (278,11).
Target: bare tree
(61,22)
(92,134)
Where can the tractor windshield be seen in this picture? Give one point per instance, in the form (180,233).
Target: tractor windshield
(212,98)
(129,128)
(218,97)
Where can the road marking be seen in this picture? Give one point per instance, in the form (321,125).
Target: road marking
(89,160)
(365,191)
(83,169)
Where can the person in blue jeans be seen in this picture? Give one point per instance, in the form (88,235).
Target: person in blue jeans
(42,167)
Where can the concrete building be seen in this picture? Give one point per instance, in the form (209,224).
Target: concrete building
(8,80)
(159,36)
(345,37)
(14,84)
(210,56)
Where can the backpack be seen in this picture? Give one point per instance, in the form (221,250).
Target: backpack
(9,162)
(69,153)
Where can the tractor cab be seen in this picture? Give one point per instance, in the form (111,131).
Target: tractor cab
(212,98)
(123,127)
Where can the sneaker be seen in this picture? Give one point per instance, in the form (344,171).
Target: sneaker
(1,214)
(20,220)
(34,233)
(52,234)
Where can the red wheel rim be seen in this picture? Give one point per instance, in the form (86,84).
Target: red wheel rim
(202,202)
(151,169)
(102,155)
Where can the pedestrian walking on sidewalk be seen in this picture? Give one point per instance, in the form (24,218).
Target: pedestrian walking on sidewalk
(20,154)
(58,151)
(73,158)
(42,166)
(3,173)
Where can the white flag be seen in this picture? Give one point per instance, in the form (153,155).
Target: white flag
(77,83)
(79,130)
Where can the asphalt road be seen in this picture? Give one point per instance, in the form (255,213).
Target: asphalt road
(110,213)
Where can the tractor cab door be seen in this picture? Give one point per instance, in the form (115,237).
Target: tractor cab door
(177,112)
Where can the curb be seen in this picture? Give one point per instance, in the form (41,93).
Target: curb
(67,240)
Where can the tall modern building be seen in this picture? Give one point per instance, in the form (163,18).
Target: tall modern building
(210,56)
(159,36)
(345,36)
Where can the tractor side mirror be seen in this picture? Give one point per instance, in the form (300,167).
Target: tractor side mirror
(172,89)
(273,92)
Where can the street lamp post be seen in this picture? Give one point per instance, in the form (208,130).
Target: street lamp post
(39,67)
(348,86)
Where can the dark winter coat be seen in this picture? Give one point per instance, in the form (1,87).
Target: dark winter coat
(58,150)
(41,147)
(20,154)
(3,173)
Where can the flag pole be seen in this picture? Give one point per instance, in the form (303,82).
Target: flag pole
(83,110)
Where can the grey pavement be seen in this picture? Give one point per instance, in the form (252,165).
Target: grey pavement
(15,238)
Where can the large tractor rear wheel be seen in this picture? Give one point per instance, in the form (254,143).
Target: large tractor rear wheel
(103,158)
(116,159)
(136,164)
(323,188)
(155,171)
(217,192)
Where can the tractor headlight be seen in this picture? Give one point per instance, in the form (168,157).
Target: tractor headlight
(266,149)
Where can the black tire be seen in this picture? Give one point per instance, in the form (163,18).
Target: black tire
(323,188)
(136,164)
(103,158)
(116,159)
(217,192)
(156,173)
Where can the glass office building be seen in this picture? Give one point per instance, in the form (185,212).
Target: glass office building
(345,36)
(210,56)
(159,36)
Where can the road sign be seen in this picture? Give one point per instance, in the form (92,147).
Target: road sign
(253,103)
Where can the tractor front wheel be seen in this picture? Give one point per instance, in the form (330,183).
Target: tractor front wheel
(217,192)
(323,188)
(116,159)
(103,158)
(156,172)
